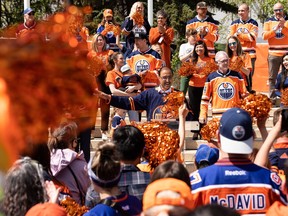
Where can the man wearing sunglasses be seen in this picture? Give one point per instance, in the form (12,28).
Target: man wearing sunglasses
(29,24)
(246,30)
(276,32)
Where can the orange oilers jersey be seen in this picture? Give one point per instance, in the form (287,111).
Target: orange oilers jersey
(278,41)
(223,90)
(211,28)
(203,68)
(247,33)
(238,184)
(149,60)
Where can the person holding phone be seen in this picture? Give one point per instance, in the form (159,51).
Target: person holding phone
(105,29)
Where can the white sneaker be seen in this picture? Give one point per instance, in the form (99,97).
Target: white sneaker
(104,136)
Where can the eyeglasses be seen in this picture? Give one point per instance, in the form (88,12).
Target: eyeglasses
(31,14)
(232,44)
(166,78)
(278,10)
(223,61)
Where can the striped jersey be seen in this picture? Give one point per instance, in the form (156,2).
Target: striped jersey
(223,90)
(238,184)
(151,100)
(149,60)
(247,33)
(211,27)
(277,41)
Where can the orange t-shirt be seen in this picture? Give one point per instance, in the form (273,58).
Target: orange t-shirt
(203,68)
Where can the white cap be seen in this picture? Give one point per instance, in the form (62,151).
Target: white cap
(125,68)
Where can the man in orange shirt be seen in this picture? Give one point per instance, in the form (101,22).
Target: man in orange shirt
(246,30)
(145,61)
(276,32)
(163,34)
(206,27)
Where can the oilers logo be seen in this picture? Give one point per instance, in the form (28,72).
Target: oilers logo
(110,34)
(142,65)
(139,29)
(238,132)
(279,34)
(226,91)
(243,31)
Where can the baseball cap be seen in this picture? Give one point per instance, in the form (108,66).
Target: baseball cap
(46,209)
(28,10)
(141,35)
(206,153)
(151,196)
(108,12)
(201,5)
(125,68)
(236,132)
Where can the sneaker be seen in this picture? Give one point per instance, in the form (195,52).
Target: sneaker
(104,136)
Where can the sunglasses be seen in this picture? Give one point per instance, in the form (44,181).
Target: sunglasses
(31,14)
(278,10)
(223,61)
(232,44)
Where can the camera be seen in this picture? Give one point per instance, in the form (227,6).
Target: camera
(284,125)
(109,21)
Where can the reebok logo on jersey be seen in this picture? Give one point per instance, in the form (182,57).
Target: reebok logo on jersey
(235,173)
(142,65)
(226,91)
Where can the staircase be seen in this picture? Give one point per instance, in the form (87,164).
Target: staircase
(190,146)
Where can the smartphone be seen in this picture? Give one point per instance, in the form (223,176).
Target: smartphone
(284,125)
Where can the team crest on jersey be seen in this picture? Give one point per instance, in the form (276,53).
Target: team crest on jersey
(238,132)
(226,91)
(243,31)
(279,34)
(142,65)
(205,28)
(275,178)
(139,29)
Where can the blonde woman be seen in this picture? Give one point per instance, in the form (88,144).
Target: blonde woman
(100,50)
(132,25)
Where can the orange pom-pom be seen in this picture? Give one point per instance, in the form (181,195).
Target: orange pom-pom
(208,132)
(138,18)
(95,65)
(186,69)
(73,208)
(112,28)
(161,143)
(237,64)
(284,96)
(257,105)
(173,101)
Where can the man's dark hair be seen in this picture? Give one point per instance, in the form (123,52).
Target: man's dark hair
(129,142)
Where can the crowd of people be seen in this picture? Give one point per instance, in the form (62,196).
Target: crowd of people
(231,177)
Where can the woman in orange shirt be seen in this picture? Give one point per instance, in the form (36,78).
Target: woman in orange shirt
(101,51)
(202,65)
(164,35)
(239,61)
